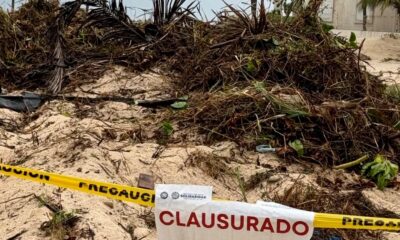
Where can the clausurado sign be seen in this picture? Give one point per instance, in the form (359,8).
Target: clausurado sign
(186,212)
(187,207)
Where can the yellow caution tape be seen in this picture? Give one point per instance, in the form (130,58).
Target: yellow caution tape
(323,220)
(146,198)
(139,196)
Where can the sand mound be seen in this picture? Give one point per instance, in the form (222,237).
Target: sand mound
(111,142)
(115,142)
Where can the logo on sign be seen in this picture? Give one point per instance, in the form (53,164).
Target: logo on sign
(164,195)
(175,195)
(193,196)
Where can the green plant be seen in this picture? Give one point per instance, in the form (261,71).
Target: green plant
(241,183)
(353,40)
(167,128)
(381,170)
(61,217)
(59,224)
(393,91)
(298,146)
(251,66)
(179,105)
(327,27)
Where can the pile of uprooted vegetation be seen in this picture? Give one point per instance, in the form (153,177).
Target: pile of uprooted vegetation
(23,45)
(260,78)
(264,77)
(255,78)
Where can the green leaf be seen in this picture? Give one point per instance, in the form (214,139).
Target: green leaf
(379,158)
(179,105)
(353,40)
(251,67)
(387,170)
(397,125)
(275,42)
(327,27)
(394,169)
(381,170)
(375,170)
(297,145)
(353,37)
(367,168)
(382,182)
(167,128)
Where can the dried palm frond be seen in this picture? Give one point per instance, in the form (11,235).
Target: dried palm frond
(118,24)
(67,12)
(111,17)
(255,23)
(59,71)
(165,11)
(119,29)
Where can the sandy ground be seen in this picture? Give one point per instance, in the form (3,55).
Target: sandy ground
(115,142)
(112,142)
(385,58)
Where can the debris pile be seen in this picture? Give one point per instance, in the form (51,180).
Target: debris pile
(23,44)
(277,78)
(261,78)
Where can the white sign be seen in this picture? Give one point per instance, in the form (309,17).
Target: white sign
(188,213)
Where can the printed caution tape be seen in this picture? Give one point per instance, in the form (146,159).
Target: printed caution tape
(146,198)
(139,196)
(323,220)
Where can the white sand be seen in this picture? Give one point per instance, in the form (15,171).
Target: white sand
(380,50)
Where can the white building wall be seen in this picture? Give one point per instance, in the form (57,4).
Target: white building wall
(345,14)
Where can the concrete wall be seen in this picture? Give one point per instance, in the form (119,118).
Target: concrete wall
(345,16)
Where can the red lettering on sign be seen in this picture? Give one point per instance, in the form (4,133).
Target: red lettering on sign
(162,219)
(283,226)
(252,222)
(203,220)
(178,220)
(240,227)
(193,220)
(296,228)
(223,221)
(267,225)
